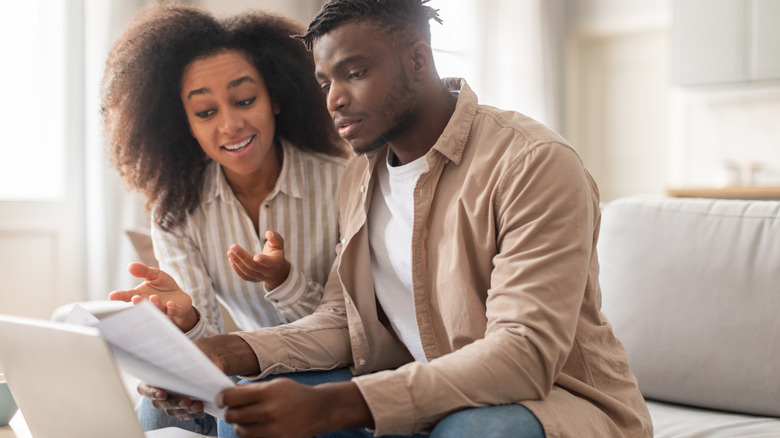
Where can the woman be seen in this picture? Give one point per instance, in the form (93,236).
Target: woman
(222,126)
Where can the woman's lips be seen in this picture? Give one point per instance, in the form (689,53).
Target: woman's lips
(240,147)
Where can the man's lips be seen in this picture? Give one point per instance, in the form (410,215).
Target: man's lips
(346,125)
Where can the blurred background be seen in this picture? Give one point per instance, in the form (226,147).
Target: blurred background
(654,95)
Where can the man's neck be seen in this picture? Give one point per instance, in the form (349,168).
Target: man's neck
(435,113)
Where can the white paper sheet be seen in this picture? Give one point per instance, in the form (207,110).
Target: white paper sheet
(150,347)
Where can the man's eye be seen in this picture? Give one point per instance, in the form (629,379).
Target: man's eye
(204,114)
(325,88)
(246,102)
(356,74)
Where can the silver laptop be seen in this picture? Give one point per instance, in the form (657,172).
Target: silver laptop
(66,382)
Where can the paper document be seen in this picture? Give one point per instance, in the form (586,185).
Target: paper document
(150,347)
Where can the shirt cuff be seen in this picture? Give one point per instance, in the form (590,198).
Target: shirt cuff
(199,331)
(389,401)
(290,291)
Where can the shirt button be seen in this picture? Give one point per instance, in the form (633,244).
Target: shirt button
(343,241)
(362,188)
(361,361)
(346,300)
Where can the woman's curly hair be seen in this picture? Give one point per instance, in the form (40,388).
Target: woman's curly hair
(147,132)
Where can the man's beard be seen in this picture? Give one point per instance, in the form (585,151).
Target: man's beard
(401,94)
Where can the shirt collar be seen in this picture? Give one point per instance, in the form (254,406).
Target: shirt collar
(452,140)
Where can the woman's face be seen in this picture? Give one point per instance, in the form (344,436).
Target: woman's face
(230,113)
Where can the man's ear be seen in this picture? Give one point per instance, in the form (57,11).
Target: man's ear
(420,60)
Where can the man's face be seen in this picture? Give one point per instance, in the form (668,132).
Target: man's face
(368,92)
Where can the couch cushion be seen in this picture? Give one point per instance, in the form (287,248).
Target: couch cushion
(141,238)
(692,288)
(675,421)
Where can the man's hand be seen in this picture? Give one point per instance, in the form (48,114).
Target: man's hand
(162,291)
(271,266)
(180,407)
(230,353)
(285,408)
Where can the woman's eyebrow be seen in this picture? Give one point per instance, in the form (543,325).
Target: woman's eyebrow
(236,82)
(203,90)
(232,84)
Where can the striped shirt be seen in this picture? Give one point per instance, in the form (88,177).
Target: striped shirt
(302,208)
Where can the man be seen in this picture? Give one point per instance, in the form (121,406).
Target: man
(467,275)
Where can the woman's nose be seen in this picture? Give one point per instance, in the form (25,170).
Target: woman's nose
(230,121)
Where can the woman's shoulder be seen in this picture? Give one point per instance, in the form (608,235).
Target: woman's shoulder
(311,158)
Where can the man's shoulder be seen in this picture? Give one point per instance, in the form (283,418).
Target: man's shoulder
(514,126)
(502,136)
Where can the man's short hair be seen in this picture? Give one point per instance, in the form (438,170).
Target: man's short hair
(403,21)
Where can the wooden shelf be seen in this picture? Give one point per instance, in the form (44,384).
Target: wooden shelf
(735,192)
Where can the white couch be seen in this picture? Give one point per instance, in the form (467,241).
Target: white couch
(692,289)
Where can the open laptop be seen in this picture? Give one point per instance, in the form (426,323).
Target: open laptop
(66,382)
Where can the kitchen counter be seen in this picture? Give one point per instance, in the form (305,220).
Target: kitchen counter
(734,192)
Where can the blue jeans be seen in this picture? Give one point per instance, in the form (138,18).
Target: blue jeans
(489,422)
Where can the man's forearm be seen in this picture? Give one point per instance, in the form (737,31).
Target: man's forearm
(231,354)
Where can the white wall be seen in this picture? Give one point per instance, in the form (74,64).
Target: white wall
(301,10)
(619,14)
(618,102)
(640,134)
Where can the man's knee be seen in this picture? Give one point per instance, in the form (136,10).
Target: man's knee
(490,422)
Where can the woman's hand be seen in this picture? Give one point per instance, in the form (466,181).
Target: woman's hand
(271,266)
(162,291)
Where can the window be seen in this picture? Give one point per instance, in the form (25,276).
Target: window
(454,46)
(32,150)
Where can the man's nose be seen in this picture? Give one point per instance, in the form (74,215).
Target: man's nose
(336,98)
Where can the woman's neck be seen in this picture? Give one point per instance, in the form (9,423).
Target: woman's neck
(259,183)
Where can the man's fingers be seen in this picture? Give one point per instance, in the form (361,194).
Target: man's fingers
(240,395)
(151,392)
(186,409)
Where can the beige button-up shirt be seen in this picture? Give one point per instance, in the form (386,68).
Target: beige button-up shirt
(506,292)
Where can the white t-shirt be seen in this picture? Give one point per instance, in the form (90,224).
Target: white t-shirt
(390,223)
